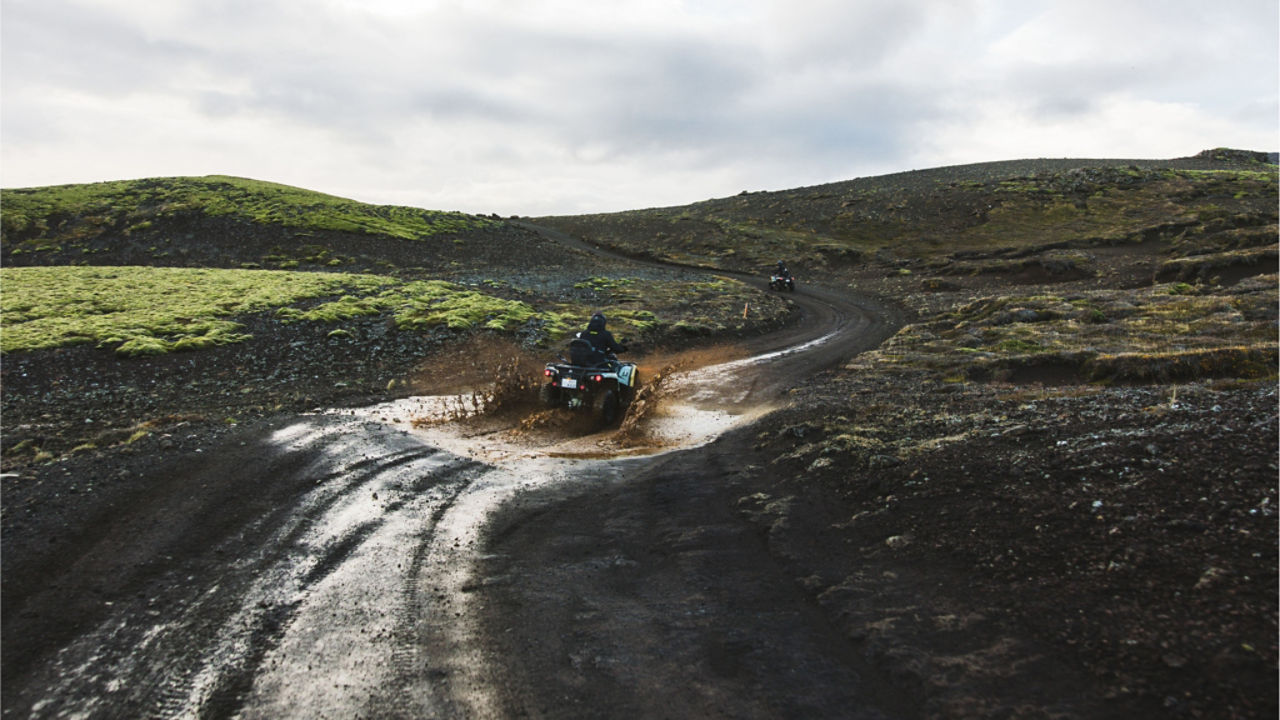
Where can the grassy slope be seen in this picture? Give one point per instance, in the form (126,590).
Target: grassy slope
(150,311)
(40,218)
(952,214)
(93,252)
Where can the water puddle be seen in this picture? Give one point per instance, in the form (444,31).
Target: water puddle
(695,407)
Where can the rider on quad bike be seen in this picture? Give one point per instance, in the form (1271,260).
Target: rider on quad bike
(600,338)
(781,278)
(592,377)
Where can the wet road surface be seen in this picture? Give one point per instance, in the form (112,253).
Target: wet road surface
(351,565)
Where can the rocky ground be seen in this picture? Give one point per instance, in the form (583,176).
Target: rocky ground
(1125,526)
(1129,532)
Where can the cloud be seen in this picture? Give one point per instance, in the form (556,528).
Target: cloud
(549,106)
(1118,126)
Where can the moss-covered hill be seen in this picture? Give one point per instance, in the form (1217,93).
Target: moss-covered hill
(146,267)
(1003,217)
(219,221)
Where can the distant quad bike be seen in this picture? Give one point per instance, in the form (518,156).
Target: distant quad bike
(778,282)
(589,380)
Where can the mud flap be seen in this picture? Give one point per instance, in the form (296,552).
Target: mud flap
(627,375)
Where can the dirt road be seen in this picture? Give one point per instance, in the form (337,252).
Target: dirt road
(346,565)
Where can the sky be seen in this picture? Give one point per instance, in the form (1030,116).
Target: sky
(558,107)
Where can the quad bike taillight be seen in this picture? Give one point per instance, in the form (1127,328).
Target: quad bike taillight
(597,378)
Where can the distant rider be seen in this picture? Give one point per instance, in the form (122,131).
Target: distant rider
(782,271)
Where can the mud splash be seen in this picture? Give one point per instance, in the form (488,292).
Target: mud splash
(499,420)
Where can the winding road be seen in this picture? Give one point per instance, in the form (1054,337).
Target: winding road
(351,565)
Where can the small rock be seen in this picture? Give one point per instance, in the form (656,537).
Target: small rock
(881,462)
(1210,577)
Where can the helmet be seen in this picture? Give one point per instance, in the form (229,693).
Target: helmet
(597,315)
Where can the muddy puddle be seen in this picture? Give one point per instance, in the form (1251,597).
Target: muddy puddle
(554,434)
(685,401)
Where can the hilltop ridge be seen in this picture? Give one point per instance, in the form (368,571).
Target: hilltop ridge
(940,221)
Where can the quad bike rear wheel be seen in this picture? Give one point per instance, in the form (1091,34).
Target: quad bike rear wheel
(549,395)
(606,406)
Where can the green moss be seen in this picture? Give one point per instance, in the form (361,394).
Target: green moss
(134,205)
(1019,346)
(1156,335)
(559,325)
(346,307)
(432,304)
(145,310)
(639,321)
(605,283)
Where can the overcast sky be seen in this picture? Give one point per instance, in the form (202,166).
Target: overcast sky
(541,107)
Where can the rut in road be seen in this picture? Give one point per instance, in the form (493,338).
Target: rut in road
(638,592)
(329,580)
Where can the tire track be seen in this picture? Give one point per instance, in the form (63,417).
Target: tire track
(198,648)
(334,655)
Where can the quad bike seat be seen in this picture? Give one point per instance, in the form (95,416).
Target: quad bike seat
(582,352)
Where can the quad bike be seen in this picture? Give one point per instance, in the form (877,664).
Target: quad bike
(589,380)
(779,282)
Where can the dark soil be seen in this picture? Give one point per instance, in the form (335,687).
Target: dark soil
(1123,533)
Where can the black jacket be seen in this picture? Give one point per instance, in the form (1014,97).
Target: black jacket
(600,338)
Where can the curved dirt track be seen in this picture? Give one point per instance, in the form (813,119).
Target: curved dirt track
(348,566)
